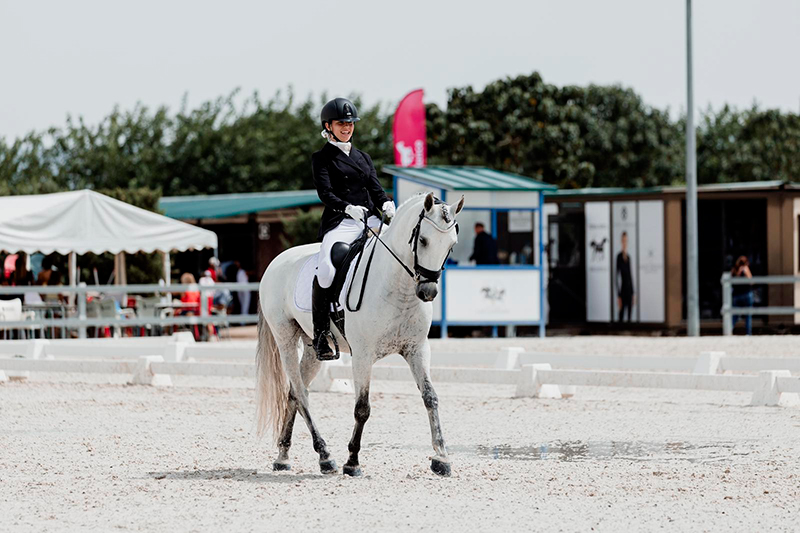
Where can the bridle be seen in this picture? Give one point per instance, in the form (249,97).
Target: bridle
(419,273)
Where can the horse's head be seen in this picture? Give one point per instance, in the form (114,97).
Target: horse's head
(432,238)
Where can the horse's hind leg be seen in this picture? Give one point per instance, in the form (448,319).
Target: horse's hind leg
(309,367)
(362,371)
(419,361)
(299,381)
(285,441)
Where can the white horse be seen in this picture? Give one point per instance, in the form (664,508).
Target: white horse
(395,318)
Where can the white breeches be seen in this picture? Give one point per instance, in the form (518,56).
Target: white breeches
(347,231)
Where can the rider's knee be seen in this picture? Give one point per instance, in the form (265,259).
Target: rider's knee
(325,275)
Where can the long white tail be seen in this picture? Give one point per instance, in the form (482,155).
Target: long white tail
(272,389)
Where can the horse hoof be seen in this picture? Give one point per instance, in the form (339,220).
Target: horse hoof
(328,467)
(352,471)
(440,467)
(281,467)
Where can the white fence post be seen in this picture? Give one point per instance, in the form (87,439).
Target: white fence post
(175,351)
(144,373)
(708,363)
(35,349)
(323,382)
(768,393)
(529,386)
(727,303)
(508,359)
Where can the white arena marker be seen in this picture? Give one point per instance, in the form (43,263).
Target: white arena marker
(34,349)
(323,382)
(144,373)
(708,363)
(3,377)
(182,336)
(768,393)
(508,359)
(175,351)
(530,387)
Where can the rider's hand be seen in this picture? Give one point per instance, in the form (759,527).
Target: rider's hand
(388,209)
(357,212)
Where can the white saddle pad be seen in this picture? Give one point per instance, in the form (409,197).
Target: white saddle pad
(302,290)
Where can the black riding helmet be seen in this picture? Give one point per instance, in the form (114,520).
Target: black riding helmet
(338,109)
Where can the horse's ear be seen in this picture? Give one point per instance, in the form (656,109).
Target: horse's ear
(459,206)
(429,201)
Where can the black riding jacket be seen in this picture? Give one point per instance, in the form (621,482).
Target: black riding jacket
(342,180)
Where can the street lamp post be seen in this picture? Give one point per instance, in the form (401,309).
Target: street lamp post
(692,291)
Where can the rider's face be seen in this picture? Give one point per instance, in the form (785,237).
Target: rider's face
(343,130)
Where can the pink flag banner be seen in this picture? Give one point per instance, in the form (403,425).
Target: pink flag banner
(410,142)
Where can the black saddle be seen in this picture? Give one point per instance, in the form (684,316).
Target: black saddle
(339,254)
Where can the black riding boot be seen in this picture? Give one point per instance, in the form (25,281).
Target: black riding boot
(320,313)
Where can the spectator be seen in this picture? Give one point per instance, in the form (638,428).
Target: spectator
(189,297)
(22,276)
(484,251)
(6,282)
(244,296)
(743,294)
(213,268)
(192,297)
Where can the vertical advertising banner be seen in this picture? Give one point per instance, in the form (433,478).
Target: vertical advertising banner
(410,141)
(598,261)
(624,266)
(651,261)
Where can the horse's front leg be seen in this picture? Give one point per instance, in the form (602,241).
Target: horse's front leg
(362,371)
(419,361)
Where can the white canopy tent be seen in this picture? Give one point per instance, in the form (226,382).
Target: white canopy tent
(84,221)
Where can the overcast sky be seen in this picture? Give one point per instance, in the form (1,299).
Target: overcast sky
(84,57)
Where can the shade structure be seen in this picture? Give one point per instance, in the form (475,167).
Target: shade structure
(228,205)
(87,221)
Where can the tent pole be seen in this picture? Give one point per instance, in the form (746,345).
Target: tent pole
(167,268)
(121,276)
(73,274)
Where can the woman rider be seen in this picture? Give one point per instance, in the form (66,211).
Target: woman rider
(348,185)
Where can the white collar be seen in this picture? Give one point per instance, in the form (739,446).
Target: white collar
(344,147)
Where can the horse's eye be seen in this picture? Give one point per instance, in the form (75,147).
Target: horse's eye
(423,241)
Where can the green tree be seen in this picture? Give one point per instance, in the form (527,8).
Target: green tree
(571,136)
(749,145)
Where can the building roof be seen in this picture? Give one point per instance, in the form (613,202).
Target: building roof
(457,178)
(674,189)
(227,205)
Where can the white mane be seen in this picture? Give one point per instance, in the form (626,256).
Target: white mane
(406,210)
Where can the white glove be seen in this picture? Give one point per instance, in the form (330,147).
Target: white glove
(357,212)
(388,209)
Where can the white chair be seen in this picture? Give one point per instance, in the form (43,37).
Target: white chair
(150,308)
(11,311)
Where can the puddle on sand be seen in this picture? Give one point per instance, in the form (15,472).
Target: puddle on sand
(567,451)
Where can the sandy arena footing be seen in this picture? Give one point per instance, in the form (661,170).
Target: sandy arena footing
(100,456)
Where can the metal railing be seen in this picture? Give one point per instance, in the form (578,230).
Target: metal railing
(80,321)
(728,311)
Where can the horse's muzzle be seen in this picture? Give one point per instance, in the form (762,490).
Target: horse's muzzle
(427,291)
